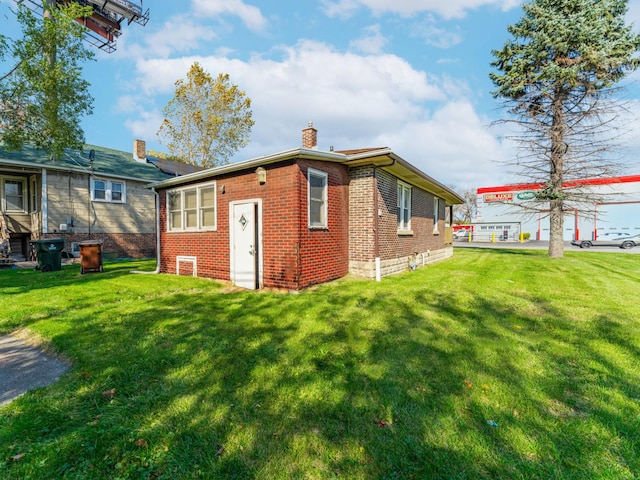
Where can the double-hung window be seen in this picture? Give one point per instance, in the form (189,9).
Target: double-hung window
(117,192)
(404,207)
(15,190)
(192,208)
(317,187)
(108,191)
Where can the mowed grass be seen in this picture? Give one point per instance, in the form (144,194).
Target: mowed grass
(492,364)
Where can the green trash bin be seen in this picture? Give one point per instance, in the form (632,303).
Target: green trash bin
(49,253)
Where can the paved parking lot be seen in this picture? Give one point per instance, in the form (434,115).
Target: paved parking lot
(542,245)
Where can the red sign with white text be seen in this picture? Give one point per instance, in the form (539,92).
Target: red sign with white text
(498,197)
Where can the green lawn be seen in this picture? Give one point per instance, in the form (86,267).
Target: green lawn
(493,364)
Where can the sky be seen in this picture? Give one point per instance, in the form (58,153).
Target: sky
(412,75)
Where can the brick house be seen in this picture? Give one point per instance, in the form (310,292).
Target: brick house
(96,193)
(302,217)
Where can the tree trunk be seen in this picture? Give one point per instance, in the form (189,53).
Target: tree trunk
(556,229)
(48,6)
(555,191)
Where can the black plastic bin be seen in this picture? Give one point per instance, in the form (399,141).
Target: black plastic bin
(90,256)
(48,253)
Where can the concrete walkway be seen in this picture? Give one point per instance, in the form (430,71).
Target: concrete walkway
(24,367)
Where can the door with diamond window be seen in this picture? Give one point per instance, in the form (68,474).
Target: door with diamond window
(245,244)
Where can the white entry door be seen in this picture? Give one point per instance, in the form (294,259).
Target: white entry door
(245,244)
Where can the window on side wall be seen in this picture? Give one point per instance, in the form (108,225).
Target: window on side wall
(404,207)
(14,190)
(192,208)
(108,191)
(33,192)
(436,213)
(317,190)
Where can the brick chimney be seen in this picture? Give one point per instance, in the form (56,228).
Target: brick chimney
(310,137)
(140,151)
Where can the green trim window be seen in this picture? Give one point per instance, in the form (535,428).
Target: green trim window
(317,188)
(404,207)
(192,208)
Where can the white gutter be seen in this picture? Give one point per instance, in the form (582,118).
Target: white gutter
(436,187)
(157,270)
(251,163)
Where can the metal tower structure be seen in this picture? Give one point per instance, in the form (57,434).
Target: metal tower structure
(104,25)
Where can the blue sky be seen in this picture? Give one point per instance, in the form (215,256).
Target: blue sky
(407,74)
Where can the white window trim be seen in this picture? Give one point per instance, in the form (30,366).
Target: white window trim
(108,190)
(187,259)
(324,224)
(33,194)
(199,228)
(405,229)
(436,215)
(25,194)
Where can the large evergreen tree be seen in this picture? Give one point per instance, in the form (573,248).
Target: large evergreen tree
(557,75)
(207,120)
(43,95)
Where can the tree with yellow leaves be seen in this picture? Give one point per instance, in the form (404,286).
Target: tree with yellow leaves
(207,120)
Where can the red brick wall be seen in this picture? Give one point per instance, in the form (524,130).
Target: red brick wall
(212,249)
(362,218)
(294,257)
(361,215)
(324,253)
(392,244)
(123,245)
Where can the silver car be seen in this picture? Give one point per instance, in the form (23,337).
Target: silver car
(610,239)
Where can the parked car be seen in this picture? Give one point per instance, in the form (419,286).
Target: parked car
(610,239)
(462,235)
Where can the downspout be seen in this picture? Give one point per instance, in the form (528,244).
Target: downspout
(157,270)
(89,205)
(376,240)
(45,205)
(301,202)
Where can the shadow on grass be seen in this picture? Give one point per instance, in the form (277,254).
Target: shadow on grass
(346,381)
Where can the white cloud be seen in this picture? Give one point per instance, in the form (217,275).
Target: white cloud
(454,145)
(184,35)
(435,35)
(371,42)
(354,100)
(251,16)
(145,125)
(127,104)
(178,35)
(446,9)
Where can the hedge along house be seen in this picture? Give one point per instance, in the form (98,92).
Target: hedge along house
(303,216)
(96,193)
